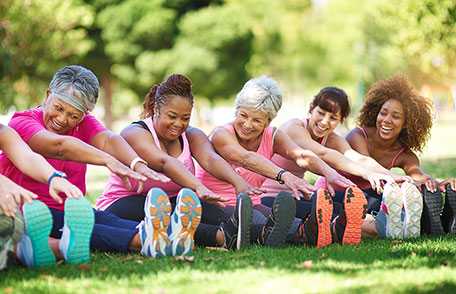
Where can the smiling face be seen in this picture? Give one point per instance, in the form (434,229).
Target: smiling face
(173,117)
(60,117)
(250,123)
(322,122)
(390,120)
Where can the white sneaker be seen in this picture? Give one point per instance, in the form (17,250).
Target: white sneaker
(413,206)
(392,199)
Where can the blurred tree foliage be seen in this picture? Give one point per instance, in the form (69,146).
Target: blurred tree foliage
(133,44)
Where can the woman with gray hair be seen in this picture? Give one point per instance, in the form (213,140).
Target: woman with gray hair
(248,143)
(64,132)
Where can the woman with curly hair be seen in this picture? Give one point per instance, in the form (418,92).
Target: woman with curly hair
(395,124)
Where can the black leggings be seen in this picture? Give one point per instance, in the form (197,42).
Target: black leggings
(132,208)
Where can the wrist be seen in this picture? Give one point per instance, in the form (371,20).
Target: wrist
(56,174)
(136,161)
(280,177)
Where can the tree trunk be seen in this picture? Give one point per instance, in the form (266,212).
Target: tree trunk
(106,83)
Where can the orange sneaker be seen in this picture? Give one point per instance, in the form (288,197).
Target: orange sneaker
(355,208)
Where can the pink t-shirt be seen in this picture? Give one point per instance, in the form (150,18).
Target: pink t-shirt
(226,190)
(115,188)
(30,122)
(273,187)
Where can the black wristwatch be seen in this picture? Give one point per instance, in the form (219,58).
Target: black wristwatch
(279,176)
(58,174)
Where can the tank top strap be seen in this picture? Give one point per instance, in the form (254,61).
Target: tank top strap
(186,148)
(150,125)
(393,161)
(364,132)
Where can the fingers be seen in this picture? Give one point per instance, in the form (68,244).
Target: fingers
(9,205)
(331,190)
(140,187)
(430,185)
(55,196)
(126,182)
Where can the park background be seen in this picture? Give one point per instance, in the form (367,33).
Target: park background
(305,45)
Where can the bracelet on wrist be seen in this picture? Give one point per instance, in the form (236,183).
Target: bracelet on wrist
(279,176)
(56,174)
(135,161)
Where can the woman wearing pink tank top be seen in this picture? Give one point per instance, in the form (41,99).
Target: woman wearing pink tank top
(168,144)
(248,144)
(395,122)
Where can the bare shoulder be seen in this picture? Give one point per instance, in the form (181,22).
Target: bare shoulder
(293,123)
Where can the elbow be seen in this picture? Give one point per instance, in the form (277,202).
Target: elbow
(60,147)
(307,159)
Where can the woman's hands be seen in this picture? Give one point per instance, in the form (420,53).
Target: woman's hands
(208,196)
(62,185)
(13,196)
(299,187)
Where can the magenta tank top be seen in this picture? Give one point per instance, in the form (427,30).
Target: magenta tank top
(115,188)
(272,187)
(227,190)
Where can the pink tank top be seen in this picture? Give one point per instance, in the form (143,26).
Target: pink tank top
(227,190)
(115,188)
(271,186)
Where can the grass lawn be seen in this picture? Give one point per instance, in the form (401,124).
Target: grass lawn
(422,265)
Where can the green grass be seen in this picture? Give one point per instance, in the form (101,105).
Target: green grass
(424,265)
(379,266)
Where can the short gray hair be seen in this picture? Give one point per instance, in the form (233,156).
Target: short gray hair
(76,85)
(261,93)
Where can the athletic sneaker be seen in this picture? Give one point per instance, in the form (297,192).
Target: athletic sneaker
(431,223)
(355,208)
(153,230)
(392,202)
(77,230)
(450,207)
(413,207)
(184,221)
(33,248)
(276,229)
(237,228)
(316,229)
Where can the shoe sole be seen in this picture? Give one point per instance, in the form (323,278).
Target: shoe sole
(432,206)
(355,205)
(413,207)
(80,219)
(393,200)
(157,211)
(244,210)
(188,214)
(450,198)
(323,210)
(38,226)
(284,210)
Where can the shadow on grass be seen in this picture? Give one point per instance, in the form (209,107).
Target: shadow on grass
(335,259)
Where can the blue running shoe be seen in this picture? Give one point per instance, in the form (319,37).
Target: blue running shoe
(184,221)
(33,248)
(153,230)
(77,231)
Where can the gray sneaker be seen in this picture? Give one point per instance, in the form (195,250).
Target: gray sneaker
(11,229)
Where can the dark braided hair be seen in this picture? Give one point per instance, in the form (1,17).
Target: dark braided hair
(158,95)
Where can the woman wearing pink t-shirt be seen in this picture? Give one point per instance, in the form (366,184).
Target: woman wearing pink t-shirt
(169,145)
(64,132)
(248,144)
(12,196)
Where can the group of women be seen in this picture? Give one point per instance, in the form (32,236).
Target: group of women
(173,187)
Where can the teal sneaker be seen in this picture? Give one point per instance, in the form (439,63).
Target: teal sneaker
(153,230)
(77,231)
(33,248)
(184,221)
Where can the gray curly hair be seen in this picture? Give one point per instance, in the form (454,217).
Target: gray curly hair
(262,93)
